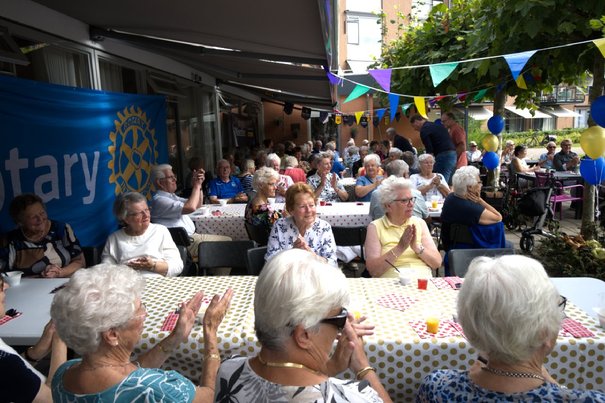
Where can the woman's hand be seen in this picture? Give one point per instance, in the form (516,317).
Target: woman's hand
(436,181)
(187,313)
(216,311)
(300,243)
(473,196)
(334,181)
(142,263)
(51,271)
(408,237)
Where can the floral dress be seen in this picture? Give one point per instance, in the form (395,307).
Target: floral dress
(262,214)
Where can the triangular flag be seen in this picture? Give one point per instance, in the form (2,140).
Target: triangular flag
(393,102)
(600,43)
(358,116)
(440,72)
(462,96)
(405,107)
(363,121)
(305,113)
(333,78)
(516,61)
(375,121)
(380,113)
(521,82)
(479,96)
(420,106)
(358,91)
(338,119)
(382,77)
(323,116)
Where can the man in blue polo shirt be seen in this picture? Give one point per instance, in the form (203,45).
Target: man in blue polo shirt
(437,141)
(225,186)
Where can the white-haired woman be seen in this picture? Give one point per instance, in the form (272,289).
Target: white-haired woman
(259,211)
(284,182)
(141,244)
(428,182)
(511,312)
(365,185)
(299,311)
(399,239)
(326,184)
(100,315)
(293,171)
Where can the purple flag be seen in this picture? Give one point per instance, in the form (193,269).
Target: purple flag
(333,78)
(382,77)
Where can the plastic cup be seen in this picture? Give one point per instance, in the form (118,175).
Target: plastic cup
(13,278)
(404,279)
(432,325)
(322,202)
(271,200)
(422,283)
(222,202)
(434,202)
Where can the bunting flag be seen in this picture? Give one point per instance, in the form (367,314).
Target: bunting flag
(479,96)
(375,121)
(358,116)
(462,96)
(305,113)
(406,106)
(516,61)
(521,82)
(334,80)
(420,106)
(358,91)
(338,119)
(600,43)
(440,72)
(380,113)
(324,116)
(382,77)
(394,103)
(363,121)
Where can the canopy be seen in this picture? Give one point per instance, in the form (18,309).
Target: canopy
(526,114)
(275,48)
(559,111)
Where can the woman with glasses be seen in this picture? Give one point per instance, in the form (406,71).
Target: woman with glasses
(399,240)
(140,244)
(100,315)
(511,313)
(299,311)
(260,213)
(428,182)
(39,246)
(302,229)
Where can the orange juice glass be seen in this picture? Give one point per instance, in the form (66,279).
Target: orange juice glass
(432,325)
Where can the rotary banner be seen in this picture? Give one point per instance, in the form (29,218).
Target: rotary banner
(77,149)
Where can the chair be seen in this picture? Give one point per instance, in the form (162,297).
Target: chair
(459,259)
(180,236)
(256,260)
(92,255)
(350,236)
(257,233)
(224,254)
(560,192)
(183,241)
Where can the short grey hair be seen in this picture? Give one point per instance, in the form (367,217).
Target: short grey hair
(290,161)
(463,178)
(391,130)
(508,307)
(399,168)
(425,156)
(295,288)
(272,157)
(364,149)
(371,158)
(390,187)
(123,202)
(157,171)
(262,177)
(93,301)
(330,146)
(395,152)
(326,154)
(353,150)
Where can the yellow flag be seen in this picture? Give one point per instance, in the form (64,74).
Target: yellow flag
(358,116)
(521,82)
(420,106)
(338,119)
(600,44)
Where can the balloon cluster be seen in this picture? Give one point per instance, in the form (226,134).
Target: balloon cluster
(490,142)
(592,142)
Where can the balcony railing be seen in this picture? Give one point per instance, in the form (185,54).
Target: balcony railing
(563,95)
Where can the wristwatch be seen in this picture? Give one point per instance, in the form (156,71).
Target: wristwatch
(421,251)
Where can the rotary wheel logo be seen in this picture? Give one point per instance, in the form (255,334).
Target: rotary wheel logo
(133,151)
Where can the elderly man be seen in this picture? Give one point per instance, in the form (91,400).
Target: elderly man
(171,210)
(473,154)
(437,141)
(566,160)
(400,169)
(225,186)
(546,159)
(458,136)
(399,141)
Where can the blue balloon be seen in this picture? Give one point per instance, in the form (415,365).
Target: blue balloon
(495,124)
(491,160)
(593,171)
(597,111)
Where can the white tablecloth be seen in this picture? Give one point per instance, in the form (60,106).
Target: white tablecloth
(231,220)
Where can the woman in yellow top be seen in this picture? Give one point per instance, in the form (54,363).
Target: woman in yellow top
(399,239)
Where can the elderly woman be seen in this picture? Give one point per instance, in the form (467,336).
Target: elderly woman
(365,185)
(507,153)
(302,229)
(284,182)
(511,312)
(299,310)
(519,165)
(326,184)
(399,239)
(100,315)
(293,171)
(140,244)
(429,183)
(259,211)
(39,246)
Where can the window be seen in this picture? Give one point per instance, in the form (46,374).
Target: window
(353,31)
(117,78)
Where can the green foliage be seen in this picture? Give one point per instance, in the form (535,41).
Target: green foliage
(598,25)
(523,137)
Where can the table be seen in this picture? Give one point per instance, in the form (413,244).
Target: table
(231,222)
(33,298)
(558,175)
(434,213)
(583,291)
(401,357)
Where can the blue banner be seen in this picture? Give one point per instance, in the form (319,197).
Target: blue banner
(77,149)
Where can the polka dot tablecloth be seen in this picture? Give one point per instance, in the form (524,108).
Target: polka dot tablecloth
(402,358)
(231,220)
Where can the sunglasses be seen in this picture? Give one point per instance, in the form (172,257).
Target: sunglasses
(339,320)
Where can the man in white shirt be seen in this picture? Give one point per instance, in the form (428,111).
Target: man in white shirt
(474,154)
(171,210)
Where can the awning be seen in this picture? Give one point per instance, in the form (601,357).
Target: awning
(275,48)
(526,114)
(479,112)
(559,111)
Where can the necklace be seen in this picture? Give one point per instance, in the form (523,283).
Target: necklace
(513,374)
(287,365)
(92,368)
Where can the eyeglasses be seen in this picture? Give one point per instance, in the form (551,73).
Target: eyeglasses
(141,213)
(171,177)
(411,200)
(143,307)
(562,302)
(339,320)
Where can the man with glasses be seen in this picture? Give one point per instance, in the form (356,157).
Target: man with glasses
(225,186)
(546,159)
(171,210)
(566,160)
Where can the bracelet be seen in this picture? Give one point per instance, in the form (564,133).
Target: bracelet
(163,349)
(27,356)
(155,262)
(212,356)
(362,372)
(393,254)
